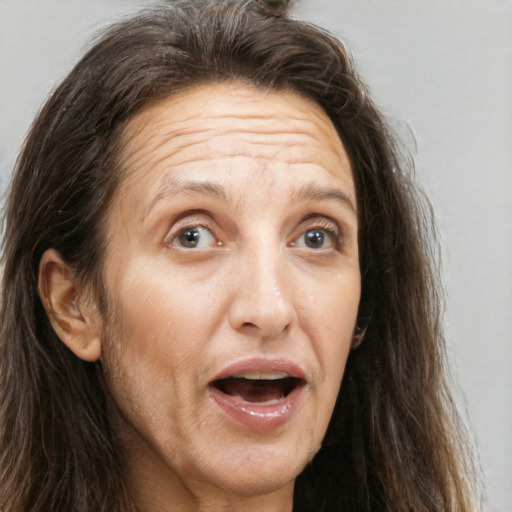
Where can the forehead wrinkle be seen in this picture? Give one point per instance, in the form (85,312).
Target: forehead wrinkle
(158,126)
(179,132)
(142,152)
(197,124)
(150,158)
(188,137)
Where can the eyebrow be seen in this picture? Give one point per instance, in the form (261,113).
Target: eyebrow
(172,187)
(312,192)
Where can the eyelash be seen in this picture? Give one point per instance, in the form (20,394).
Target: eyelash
(327,226)
(176,233)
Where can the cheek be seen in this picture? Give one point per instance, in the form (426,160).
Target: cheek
(331,315)
(332,308)
(161,316)
(163,323)
(154,348)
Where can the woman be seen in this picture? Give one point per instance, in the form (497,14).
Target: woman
(208,232)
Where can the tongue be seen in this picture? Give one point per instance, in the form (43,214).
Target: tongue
(255,391)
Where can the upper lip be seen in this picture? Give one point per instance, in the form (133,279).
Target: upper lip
(263,365)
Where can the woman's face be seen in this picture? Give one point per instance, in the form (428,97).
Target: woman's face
(233,278)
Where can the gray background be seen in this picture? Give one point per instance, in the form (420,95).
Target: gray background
(442,72)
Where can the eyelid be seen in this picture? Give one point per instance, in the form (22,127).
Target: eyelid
(189,220)
(321,221)
(325,223)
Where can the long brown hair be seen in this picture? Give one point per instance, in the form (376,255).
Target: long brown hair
(394,443)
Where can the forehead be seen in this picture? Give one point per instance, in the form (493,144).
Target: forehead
(217,131)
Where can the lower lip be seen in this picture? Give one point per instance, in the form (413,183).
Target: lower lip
(259,417)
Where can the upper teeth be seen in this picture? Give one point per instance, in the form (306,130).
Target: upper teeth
(261,375)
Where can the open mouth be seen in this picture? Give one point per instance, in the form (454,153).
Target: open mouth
(264,388)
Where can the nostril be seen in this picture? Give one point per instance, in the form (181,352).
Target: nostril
(265,327)
(263,308)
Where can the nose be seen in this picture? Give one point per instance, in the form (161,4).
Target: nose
(262,302)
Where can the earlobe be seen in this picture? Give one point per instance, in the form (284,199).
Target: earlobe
(74,318)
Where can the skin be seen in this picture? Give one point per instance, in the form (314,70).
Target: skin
(254,173)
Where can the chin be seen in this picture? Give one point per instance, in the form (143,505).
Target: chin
(251,470)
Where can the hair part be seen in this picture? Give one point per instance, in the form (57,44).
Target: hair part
(394,443)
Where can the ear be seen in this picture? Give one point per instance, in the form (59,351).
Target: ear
(74,318)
